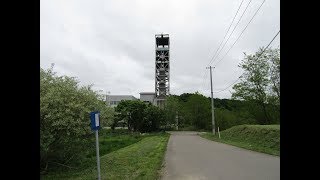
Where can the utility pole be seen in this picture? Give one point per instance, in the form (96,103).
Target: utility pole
(212,106)
(107,100)
(177,121)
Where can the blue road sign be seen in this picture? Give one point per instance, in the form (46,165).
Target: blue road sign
(95,120)
(95,125)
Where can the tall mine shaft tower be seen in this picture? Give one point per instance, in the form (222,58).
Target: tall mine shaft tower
(162,69)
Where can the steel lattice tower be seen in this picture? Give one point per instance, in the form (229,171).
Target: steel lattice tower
(162,69)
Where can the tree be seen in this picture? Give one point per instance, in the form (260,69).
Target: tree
(197,111)
(154,116)
(274,63)
(224,118)
(138,116)
(107,116)
(259,81)
(64,118)
(132,112)
(184,97)
(172,109)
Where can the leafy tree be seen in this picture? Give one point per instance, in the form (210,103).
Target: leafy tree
(259,82)
(225,118)
(274,60)
(107,116)
(132,112)
(184,97)
(197,111)
(139,116)
(154,116)
(172,109)
(64,118)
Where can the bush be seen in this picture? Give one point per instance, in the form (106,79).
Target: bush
(64,119)
(138,116)
(225,118)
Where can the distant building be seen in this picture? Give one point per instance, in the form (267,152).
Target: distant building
(148,97)
(114,100)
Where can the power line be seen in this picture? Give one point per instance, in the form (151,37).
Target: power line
(233,29)
(271,42)
(256,59)
(204,76)
(227,31)
(204,80)
(242,31)
(228,86)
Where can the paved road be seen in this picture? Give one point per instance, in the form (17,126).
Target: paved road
(189,156)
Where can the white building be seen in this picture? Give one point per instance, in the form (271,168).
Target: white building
(148,97)
(114,100)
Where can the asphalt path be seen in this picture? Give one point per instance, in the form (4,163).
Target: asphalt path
(190,156)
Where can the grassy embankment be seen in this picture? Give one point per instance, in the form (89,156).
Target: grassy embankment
(123,156)
(261,138)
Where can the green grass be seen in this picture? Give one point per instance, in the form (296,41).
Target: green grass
(141,160)
(109,141)
(260,138)
(109,144)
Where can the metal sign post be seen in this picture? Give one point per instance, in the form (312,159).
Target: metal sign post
(95,125)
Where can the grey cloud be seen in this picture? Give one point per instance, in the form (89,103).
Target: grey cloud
(111,43)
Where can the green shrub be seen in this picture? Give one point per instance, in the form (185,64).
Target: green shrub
(138,116)
(64,119)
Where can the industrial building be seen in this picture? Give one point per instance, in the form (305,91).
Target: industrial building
(148,97)
(114,100)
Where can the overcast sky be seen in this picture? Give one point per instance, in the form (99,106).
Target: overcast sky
(111,43)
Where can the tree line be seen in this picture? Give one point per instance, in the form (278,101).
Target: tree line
(255,99)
